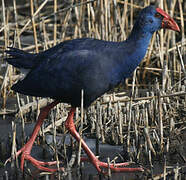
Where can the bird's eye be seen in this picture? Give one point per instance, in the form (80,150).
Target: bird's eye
(157,15)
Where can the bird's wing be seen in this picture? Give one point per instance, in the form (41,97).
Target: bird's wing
(71,45)
(70,71)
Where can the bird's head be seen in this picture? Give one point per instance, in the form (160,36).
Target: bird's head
(152,19)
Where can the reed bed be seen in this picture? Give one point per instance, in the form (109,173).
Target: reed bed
(146,115)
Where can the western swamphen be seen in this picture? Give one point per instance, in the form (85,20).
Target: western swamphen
(96,66)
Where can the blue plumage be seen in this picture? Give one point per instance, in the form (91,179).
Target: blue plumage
(93,65)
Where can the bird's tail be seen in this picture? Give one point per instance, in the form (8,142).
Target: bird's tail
(20,58)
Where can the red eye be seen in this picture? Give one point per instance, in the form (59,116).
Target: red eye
(157,15)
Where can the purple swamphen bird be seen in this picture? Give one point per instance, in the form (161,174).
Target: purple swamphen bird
(96,66)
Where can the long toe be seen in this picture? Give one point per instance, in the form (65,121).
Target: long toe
(41,165)
(117,167)
(25,155)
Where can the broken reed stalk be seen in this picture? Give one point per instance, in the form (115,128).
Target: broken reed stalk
(81,128)
(5,24)
(55,142)
(14,150)
(22,118)
(109,170)
(34,25)
(147,136)
(16,21)
(160,122)
(130,112)
(55,22)
(5,21)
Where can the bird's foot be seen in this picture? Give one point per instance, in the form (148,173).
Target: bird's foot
(114,167)
(100,166)
(25,150)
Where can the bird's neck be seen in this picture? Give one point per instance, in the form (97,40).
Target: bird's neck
(136,45)
(140,37)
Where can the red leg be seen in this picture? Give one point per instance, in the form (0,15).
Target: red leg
(98,164)
(26,149)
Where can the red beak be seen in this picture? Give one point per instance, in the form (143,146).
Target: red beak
(168,22)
